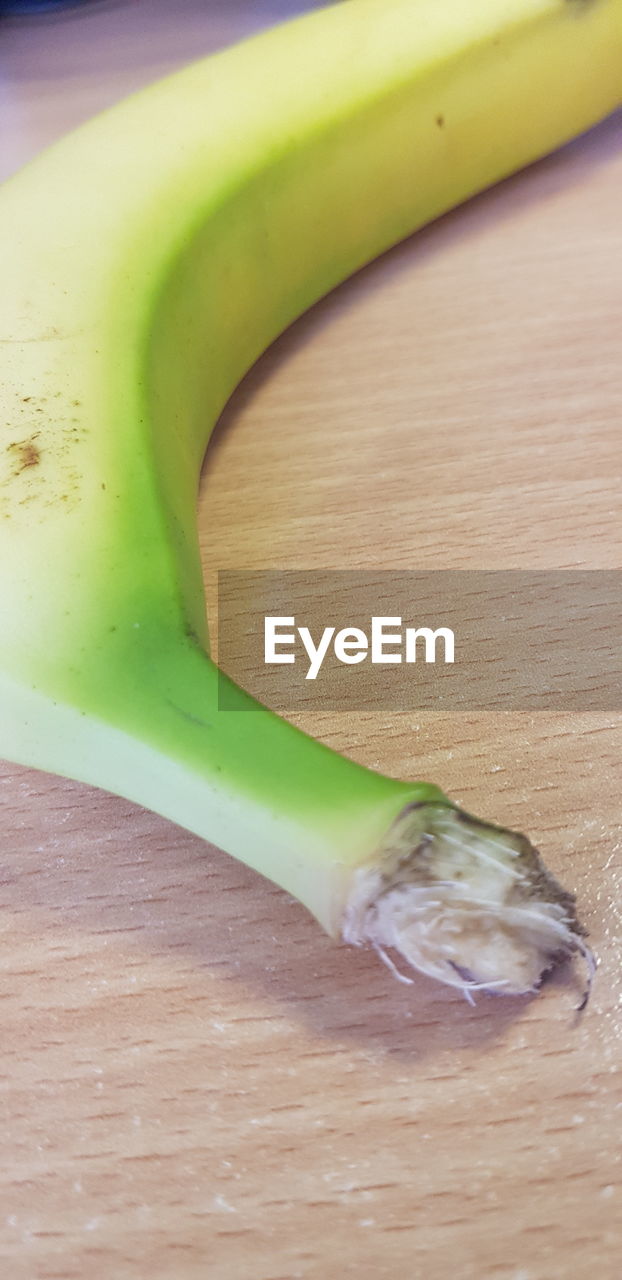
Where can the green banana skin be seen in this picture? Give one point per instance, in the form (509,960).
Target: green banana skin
(146,262)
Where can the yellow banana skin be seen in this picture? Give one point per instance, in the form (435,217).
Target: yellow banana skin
(146,261)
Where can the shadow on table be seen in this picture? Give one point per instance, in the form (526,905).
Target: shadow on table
(155,892)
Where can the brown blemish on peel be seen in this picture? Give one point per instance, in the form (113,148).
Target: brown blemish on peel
(25,453)
(38,444)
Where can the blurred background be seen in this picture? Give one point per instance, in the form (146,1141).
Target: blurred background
(62,62)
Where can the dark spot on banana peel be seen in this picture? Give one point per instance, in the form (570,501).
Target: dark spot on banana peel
(440,120)
(192,635)
(26,453)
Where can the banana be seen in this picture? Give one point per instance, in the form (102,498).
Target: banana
(146,261)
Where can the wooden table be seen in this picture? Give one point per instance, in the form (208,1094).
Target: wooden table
(196,1082)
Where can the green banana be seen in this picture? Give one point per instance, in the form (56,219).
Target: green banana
(146,261)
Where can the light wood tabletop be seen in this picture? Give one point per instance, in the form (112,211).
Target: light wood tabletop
(196,1082)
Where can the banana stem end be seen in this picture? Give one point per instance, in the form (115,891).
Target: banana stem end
(465,902)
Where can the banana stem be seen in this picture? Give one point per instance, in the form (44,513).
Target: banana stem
(378,862)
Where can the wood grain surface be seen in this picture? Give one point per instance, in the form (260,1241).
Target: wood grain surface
(195,1081)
